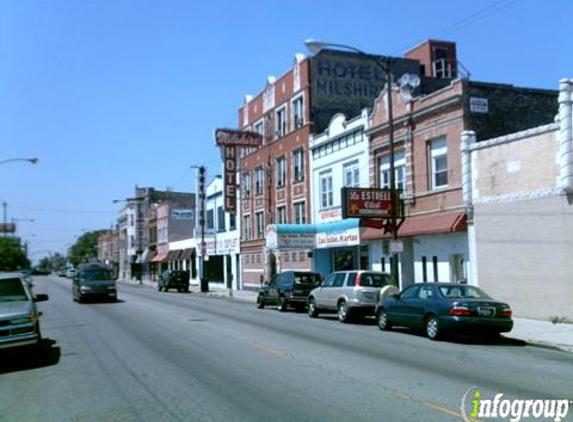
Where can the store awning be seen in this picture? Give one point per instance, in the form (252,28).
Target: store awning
(422,225)
(187,254)
(173,255)
(162,257)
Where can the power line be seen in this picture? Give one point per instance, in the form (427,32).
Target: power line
(467,21)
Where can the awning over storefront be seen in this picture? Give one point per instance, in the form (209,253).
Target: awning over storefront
(173,255)
(187,254)
(159,258)
(422,225)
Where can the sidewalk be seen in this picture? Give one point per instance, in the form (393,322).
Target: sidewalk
(537,333)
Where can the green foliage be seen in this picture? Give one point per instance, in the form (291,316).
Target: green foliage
(12,257)
(85,248)
(52,262)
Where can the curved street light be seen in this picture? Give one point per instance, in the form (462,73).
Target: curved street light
(315,46)
(33,160)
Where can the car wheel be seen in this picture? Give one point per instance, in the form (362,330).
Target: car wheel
(282,304)
(433,328)
(343,312)
(312,309)
(261,301)
(383,320)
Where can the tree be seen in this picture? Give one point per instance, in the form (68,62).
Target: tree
(85,248)
(12,257)
(52,262)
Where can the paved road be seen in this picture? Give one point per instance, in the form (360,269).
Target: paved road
(183,357)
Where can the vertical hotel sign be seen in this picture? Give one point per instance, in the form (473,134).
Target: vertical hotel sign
(230,140)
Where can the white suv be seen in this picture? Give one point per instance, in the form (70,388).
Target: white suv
(350,293)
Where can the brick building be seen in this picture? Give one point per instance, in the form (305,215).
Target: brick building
(427,133)
(275,185)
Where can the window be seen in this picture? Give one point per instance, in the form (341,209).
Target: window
(247,227)
(131,241)
(247,184)
(351,173)
(281,171)
(210,219)
(259,181)
(297,113)
(439,163)
(232,221)
(281,214)
(281,122)
(220,219)
(298,164)
(326,194)
(399,170)
(131,220)
(260,224)
(260,127)
(300,213)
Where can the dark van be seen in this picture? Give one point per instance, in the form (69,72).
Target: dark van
(288,288)
(94,280)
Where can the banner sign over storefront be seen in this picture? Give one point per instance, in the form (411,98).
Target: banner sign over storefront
(366,203)
(313,236)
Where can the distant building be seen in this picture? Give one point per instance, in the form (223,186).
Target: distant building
(108,248)
(134,221)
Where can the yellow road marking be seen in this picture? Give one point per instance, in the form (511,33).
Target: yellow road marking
(264,348)
(446,410)
(401,395)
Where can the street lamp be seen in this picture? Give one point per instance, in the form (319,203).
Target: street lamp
(33,160)
(315,46)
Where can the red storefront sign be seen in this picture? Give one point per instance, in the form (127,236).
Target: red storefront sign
(366,203)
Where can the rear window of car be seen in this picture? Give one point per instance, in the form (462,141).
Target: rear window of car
(96,275)
(304,278)
(468,292)
(375,280)
(12,290)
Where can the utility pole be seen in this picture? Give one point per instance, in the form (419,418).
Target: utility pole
(202,197)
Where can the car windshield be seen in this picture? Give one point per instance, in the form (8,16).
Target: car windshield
(307,278)
(466,292)
(376,280)
(95,275)
(12,290)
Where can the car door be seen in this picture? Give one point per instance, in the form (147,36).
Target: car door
(273,289)
(321,293)
(399,311)
(416,306)
(336,291)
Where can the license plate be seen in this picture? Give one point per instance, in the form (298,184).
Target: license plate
(111,294)
(487,312)
(368,295)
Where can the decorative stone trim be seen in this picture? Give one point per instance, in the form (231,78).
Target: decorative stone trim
(518,196)
(552,127)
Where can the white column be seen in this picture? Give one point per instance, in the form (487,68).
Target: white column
(565,135)
(468,138)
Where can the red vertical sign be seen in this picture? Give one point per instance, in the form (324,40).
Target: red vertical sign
(230,175)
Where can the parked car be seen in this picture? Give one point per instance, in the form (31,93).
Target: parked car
(351,293)
(41,271)
(173,279)
(440,308)
(71,272)
(288,288)
(19,316)
(94,280)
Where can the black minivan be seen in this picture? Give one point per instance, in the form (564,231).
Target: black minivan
(288,288)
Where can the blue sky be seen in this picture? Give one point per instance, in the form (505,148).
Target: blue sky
(113,93)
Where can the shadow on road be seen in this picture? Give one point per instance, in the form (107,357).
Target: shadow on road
(468,339)
(23,359)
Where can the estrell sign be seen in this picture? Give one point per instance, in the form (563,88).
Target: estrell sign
(365,203)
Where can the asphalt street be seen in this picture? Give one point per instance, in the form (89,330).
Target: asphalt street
(185,357)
